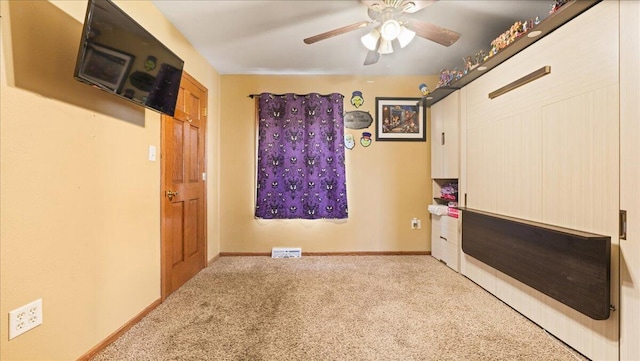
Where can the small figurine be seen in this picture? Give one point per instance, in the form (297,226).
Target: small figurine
(459,74)
(424,89)
(468,64)
(480,56)
(557,5)
(443,77)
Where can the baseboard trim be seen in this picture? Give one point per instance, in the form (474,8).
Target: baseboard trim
(363,253)
(114,336)
(369,253)
(244,254)
(213,260)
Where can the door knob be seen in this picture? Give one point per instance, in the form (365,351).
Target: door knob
(171,194)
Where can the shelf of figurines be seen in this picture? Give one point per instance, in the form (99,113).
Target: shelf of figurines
(503,48)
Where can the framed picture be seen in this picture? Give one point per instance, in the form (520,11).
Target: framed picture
(106,66)
(401,119)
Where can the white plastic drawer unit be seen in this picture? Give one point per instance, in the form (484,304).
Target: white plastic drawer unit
(449,227)
(445,239)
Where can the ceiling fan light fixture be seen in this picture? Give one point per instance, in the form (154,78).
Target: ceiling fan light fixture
(534,33)
(390,29)
(370,40)
(409,7)
(405,36)
(385,46)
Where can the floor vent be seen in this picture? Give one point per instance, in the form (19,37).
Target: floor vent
(286,252)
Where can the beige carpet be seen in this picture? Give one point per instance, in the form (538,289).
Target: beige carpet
(334,308)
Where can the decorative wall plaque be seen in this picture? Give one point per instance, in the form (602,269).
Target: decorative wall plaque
(357,119)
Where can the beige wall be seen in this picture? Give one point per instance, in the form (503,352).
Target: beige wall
(388,183)
(80,202)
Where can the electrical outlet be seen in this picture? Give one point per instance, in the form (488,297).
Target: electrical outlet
(24,318)
(415,223)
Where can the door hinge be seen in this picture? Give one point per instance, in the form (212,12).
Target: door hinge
(623,224)
(204,176)
(205,111)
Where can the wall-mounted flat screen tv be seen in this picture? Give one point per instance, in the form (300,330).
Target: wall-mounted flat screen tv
(119,56)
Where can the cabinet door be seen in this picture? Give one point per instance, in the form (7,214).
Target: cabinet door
(630,179)
(451,136)
(445,137)
(548,151)
(437,130)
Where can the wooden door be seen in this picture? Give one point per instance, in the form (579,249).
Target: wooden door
(183,187)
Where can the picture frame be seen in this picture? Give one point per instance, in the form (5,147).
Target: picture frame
(400,119)
(106,67)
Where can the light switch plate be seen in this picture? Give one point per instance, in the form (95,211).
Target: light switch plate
(152,153)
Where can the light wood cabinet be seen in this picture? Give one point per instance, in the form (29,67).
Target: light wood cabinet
(548,152)
(560,150)
(557,19)
(445,137)
(630,179)
(445,168)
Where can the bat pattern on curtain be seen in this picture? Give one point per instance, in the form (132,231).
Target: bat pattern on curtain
(301,157)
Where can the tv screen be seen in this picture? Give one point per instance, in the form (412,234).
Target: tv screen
(119,56)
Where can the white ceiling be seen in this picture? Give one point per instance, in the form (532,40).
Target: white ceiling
(265,37)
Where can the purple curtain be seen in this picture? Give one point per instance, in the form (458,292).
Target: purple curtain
(301,168)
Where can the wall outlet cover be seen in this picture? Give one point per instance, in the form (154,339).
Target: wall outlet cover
(25,318)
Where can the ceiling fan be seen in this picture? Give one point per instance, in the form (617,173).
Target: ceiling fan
(390,28)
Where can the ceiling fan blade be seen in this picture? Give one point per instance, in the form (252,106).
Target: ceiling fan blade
(334,32)
(434,33)
(411,7)
(372,57)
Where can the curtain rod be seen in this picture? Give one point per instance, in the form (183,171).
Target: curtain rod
(279,95)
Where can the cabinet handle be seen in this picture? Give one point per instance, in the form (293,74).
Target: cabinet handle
(623,224)
(442,139)
(520,82)
(443,238)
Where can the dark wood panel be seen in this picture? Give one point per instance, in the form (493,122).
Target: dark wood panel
(573,267)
